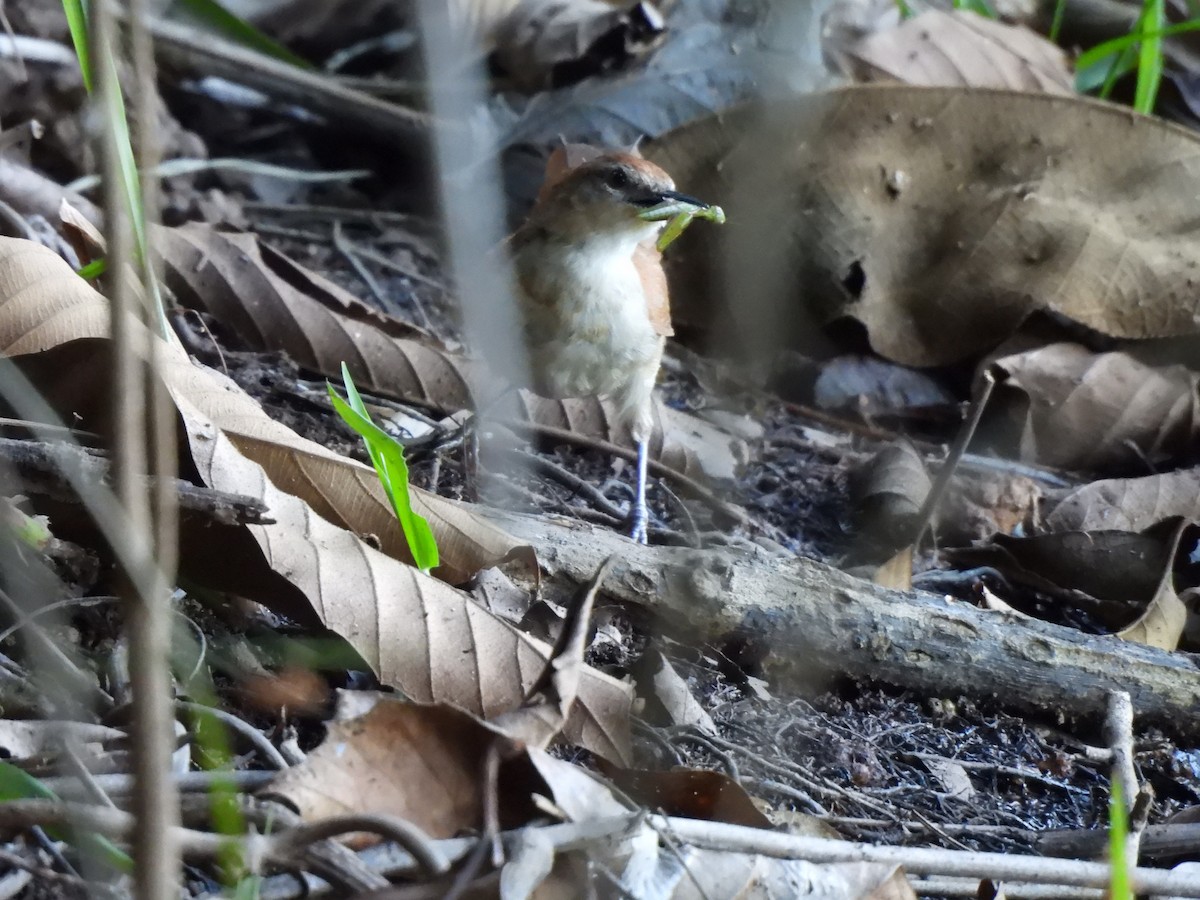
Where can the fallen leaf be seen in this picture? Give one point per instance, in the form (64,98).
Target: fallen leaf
(1128,504)
(421,763)
(1123,580)
(959,48)
(1094,411)
(939,218)
(890,491)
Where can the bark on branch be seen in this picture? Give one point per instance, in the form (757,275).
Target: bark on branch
(815,622)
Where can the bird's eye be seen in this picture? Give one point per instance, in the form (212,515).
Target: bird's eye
(617,178)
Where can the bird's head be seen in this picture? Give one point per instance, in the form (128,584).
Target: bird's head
(614,194)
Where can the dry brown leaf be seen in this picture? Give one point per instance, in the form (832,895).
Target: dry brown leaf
(460,653)
(890,491)
(1128,504)
(896,573)
(421,763)
(938,217)
(418,635)
(45,304)
(1089,411)
(981,505)
(1105,574)
(960,48)
(271,303)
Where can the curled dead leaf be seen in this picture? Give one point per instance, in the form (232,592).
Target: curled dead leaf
(1095,411)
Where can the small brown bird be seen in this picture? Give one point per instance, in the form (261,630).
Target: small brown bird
(591,288)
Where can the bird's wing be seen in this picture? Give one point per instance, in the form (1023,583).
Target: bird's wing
(648,262)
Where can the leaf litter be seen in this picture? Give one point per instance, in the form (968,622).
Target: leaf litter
(843,754)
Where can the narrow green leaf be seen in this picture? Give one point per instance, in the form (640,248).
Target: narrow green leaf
(77,21)
(1101,52)
(1118,830)
(16,784)
(1150,56)
(222,21)
(387,456)
(1060,9)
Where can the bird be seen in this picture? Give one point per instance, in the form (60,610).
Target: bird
(590,289)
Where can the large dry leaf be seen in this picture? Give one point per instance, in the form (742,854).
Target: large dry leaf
(938,217)
(1081,410)
(1124,579)
(1128,504)
(422,763)
(271,303)
(460,653)
(960,48)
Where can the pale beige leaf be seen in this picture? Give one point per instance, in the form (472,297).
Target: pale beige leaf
(1128,504)
(1089,411)
(961,48)
(938,217)
(421,763)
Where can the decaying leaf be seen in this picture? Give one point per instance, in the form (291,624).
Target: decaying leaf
(890,491)
(422,763)
(1122,580)
(1088,411)
(874,387)
(959,48)
(938,217)
(1128,504)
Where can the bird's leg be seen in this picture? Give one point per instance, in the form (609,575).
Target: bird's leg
(638,515)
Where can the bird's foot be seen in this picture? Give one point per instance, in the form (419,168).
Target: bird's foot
(637,524)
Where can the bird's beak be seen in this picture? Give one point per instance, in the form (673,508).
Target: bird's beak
(664,205)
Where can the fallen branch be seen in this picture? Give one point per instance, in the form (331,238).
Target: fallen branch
(814,623)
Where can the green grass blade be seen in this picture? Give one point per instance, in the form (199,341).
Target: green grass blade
(221,21)
(1150,56)
(387,456)
(77,22)
(16,784)
(1060,9)
(1123,62)
(1118,830)
(1093,65)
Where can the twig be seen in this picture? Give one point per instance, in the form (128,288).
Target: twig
(942,482)
(689,485)
(1118,733)
(569,480)
(252,735)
